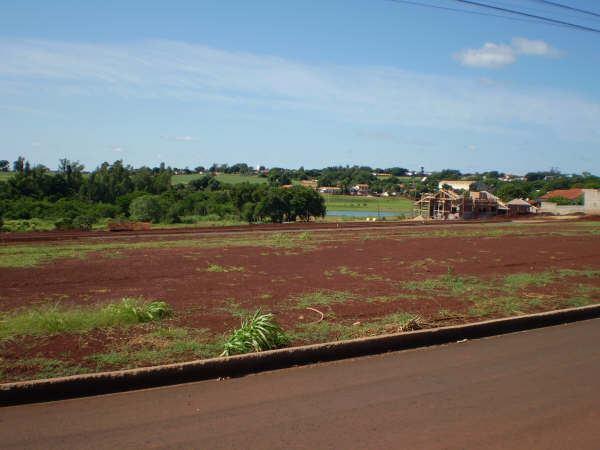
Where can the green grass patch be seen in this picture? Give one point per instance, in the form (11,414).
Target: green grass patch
(28,225)
(355,203)
(229,178)
(343,270)
(448,284)
(32,255)
(503,305)
(522,280)
(55,319)
(41,368)
(224,269)
(327,330)
(159,347)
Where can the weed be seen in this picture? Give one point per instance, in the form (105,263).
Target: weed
(224,269)
(323,331)
(448,283)
(579,301)
(521,280)
(503,305)
(43,368)
(346,271)
(257,333)
(54,319)
(32,255)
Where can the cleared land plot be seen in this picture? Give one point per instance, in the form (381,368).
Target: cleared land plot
(358,203)
(365,282)
(224,178)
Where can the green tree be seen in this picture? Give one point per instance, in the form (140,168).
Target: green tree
(146,208)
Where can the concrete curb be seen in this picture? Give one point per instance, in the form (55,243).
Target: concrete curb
(109,382)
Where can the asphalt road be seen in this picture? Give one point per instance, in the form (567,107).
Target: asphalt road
(537,389)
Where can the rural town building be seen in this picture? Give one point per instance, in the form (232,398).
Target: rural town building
(442,205)
(486,204)
(330,190)
(309,183)
(584,201)
(518,206)
(360,189)
(591,201)
(464,185)
(447,205)
(573,194)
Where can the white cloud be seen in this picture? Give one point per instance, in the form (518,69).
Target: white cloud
(180,138)
(524,46)
(257,85)
(117,149)
(493,56)
(490,56)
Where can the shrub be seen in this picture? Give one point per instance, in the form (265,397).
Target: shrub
(65,223)
(83,223)
(146,208)
(28,225)
(257,333)
(173,215)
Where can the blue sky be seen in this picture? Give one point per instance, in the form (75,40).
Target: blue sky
(297,82)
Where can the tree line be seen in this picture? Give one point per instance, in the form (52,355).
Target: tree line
(75,199)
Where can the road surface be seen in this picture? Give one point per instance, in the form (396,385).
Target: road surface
(536,389)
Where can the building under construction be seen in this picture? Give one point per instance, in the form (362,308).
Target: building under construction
(447,205)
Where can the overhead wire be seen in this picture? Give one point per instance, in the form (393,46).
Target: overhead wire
(526,17)
(526,14)
(568,7)
(466,11)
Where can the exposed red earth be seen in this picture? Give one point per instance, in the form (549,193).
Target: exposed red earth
(359,276)
(537,389)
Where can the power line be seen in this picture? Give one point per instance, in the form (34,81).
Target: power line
(517,4)
(525,14)
(569,7)
(466,11)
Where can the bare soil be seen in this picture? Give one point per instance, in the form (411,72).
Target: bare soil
(369,266)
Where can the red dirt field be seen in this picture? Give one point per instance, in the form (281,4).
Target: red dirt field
(359,278)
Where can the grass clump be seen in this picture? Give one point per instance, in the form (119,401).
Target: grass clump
(223,269)
(40,368)
(54,319)
(522,280)
(257,333)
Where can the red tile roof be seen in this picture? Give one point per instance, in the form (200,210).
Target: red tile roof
(569,194)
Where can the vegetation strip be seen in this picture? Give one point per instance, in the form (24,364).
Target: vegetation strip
(25,255)
(101,383)
(54,319)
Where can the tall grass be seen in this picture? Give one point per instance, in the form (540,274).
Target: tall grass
(258,332)
(55,319)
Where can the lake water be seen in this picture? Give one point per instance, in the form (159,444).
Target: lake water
(342,213)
